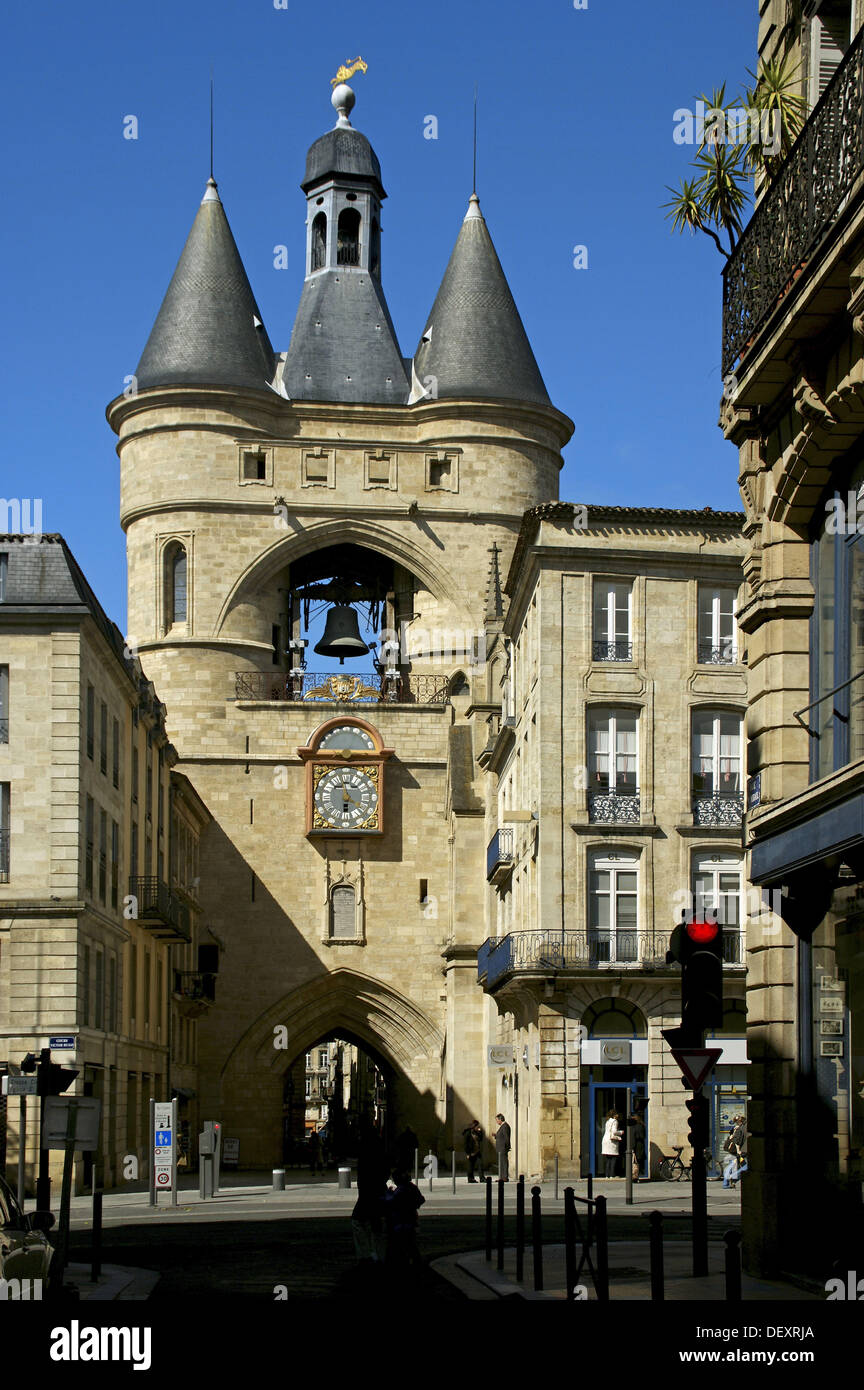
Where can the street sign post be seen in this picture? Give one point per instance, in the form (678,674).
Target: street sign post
(20,1086)
(56,1111)
(163,1145)
(64,1043)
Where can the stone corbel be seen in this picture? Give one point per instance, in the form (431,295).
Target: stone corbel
(810,405)
(855,306)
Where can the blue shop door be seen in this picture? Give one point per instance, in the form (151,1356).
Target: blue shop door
(604,1096)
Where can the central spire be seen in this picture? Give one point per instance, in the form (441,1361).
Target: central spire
(343,346)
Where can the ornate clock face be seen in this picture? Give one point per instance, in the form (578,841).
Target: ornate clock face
(345,798)
(348,736)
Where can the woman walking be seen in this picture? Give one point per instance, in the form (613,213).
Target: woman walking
(612,1136)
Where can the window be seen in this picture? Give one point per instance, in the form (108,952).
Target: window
(830,32)
(308,1087)
(135,774)
(717,886)
(91,720)
(613,908)
(133,851)
(717,798)
(4,831)
(115,861)
(103,855)
(115,753)
(175,584)
(103,738)
(85,987)
(319,242)
(836,718)
(146,982)
(149,801)
(133,984)
(343,925)
(717,635)
(4,704)
(348,237)
(99,1012)
(375,249)
(111,1020)
(254,469)
(89,835)
(276,638)
(148,855)
(4,574)
(612,765)
(613,603)
(322,1058)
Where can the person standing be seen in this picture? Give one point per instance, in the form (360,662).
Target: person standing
(502,1148)
(473,1138)
(734,1148)
(401,1206)
(314,1146)
(612,1136)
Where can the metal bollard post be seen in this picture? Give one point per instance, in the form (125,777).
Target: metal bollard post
(453,1169)
(520,1228)
(500,1231)
(416,1164)
(96,1247)
(537,1238)
(590,1187)
(556,1177)
(570,1242)
(655,1242)
(278,1179)
(488,1218)
(733,1266)
(602,1250)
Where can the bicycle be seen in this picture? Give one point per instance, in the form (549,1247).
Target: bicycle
(674,1169)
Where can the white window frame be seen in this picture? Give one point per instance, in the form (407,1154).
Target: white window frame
(717,865)
(605,614)
(611,715)
(728,645)
(613,863)
(718,787)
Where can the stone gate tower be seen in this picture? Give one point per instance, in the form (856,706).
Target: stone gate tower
(344,874)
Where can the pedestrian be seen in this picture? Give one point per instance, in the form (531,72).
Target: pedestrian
(314,1147)
(474,1139)
(612,1136)
(401,1206)
(404,1149)
(502,1148)
(734,1150)
(638,1138)
(367,1218)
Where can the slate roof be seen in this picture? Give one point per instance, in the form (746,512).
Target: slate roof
(474,343)
(205,333)
(344,151)
(343,345)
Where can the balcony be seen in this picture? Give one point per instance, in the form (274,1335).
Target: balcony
(614,807)
(797,211)
(159,910)
(4,856)
(379,687)
(723,655)
(499,857)
(194,992)
(4,730)
(548,952)
(719,809)
(612,651)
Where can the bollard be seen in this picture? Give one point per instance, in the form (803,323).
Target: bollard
(590,1187)
(733,1266)
(278,1179)
(602,1250)
(453,1169)
(570,1242)
(500,1230)
(96,1247)
(556,1177)
(537,1238)
(416,1164)
(488,1218)
(344,1178)
(655,1242)
(520,1228)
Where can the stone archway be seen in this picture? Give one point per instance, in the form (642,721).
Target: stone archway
(389,1023)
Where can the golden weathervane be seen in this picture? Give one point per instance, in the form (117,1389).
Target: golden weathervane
(348,70)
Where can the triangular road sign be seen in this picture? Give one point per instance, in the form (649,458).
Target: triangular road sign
(696,1063)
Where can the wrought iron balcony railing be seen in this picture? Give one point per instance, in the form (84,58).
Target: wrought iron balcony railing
(542,952)
(375,688)
(797,210)
(499,856)
(4,730)
(721,808)
(160,910)
(4,856)
(612,651)
(191,984)
(614,807)
(710,654)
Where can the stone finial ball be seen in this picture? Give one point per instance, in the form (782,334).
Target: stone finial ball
(343,98)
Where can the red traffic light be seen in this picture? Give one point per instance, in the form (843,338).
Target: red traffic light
(702,931)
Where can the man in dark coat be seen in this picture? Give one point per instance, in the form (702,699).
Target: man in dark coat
(474,1139)
(502,1148)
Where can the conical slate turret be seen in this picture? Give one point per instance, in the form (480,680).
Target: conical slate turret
(208,331)
(474,343)
(343,345)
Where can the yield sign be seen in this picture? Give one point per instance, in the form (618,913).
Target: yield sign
(696,1063)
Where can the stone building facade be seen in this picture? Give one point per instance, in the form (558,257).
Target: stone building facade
(94,921)
(794,359)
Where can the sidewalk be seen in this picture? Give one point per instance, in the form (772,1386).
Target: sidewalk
(629,1276)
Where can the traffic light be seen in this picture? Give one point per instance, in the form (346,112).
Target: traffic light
(698,945)
(699,1132)
(51,1078)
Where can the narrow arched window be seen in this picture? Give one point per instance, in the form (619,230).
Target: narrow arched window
(319,241)
(348,237)
(375,249)
(343,922)
(175,585)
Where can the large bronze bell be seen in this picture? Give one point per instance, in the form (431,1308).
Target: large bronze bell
(341,634)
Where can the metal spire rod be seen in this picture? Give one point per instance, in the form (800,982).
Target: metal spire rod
(211,120)
(474,176)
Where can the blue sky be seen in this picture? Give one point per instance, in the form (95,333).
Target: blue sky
(575,148)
